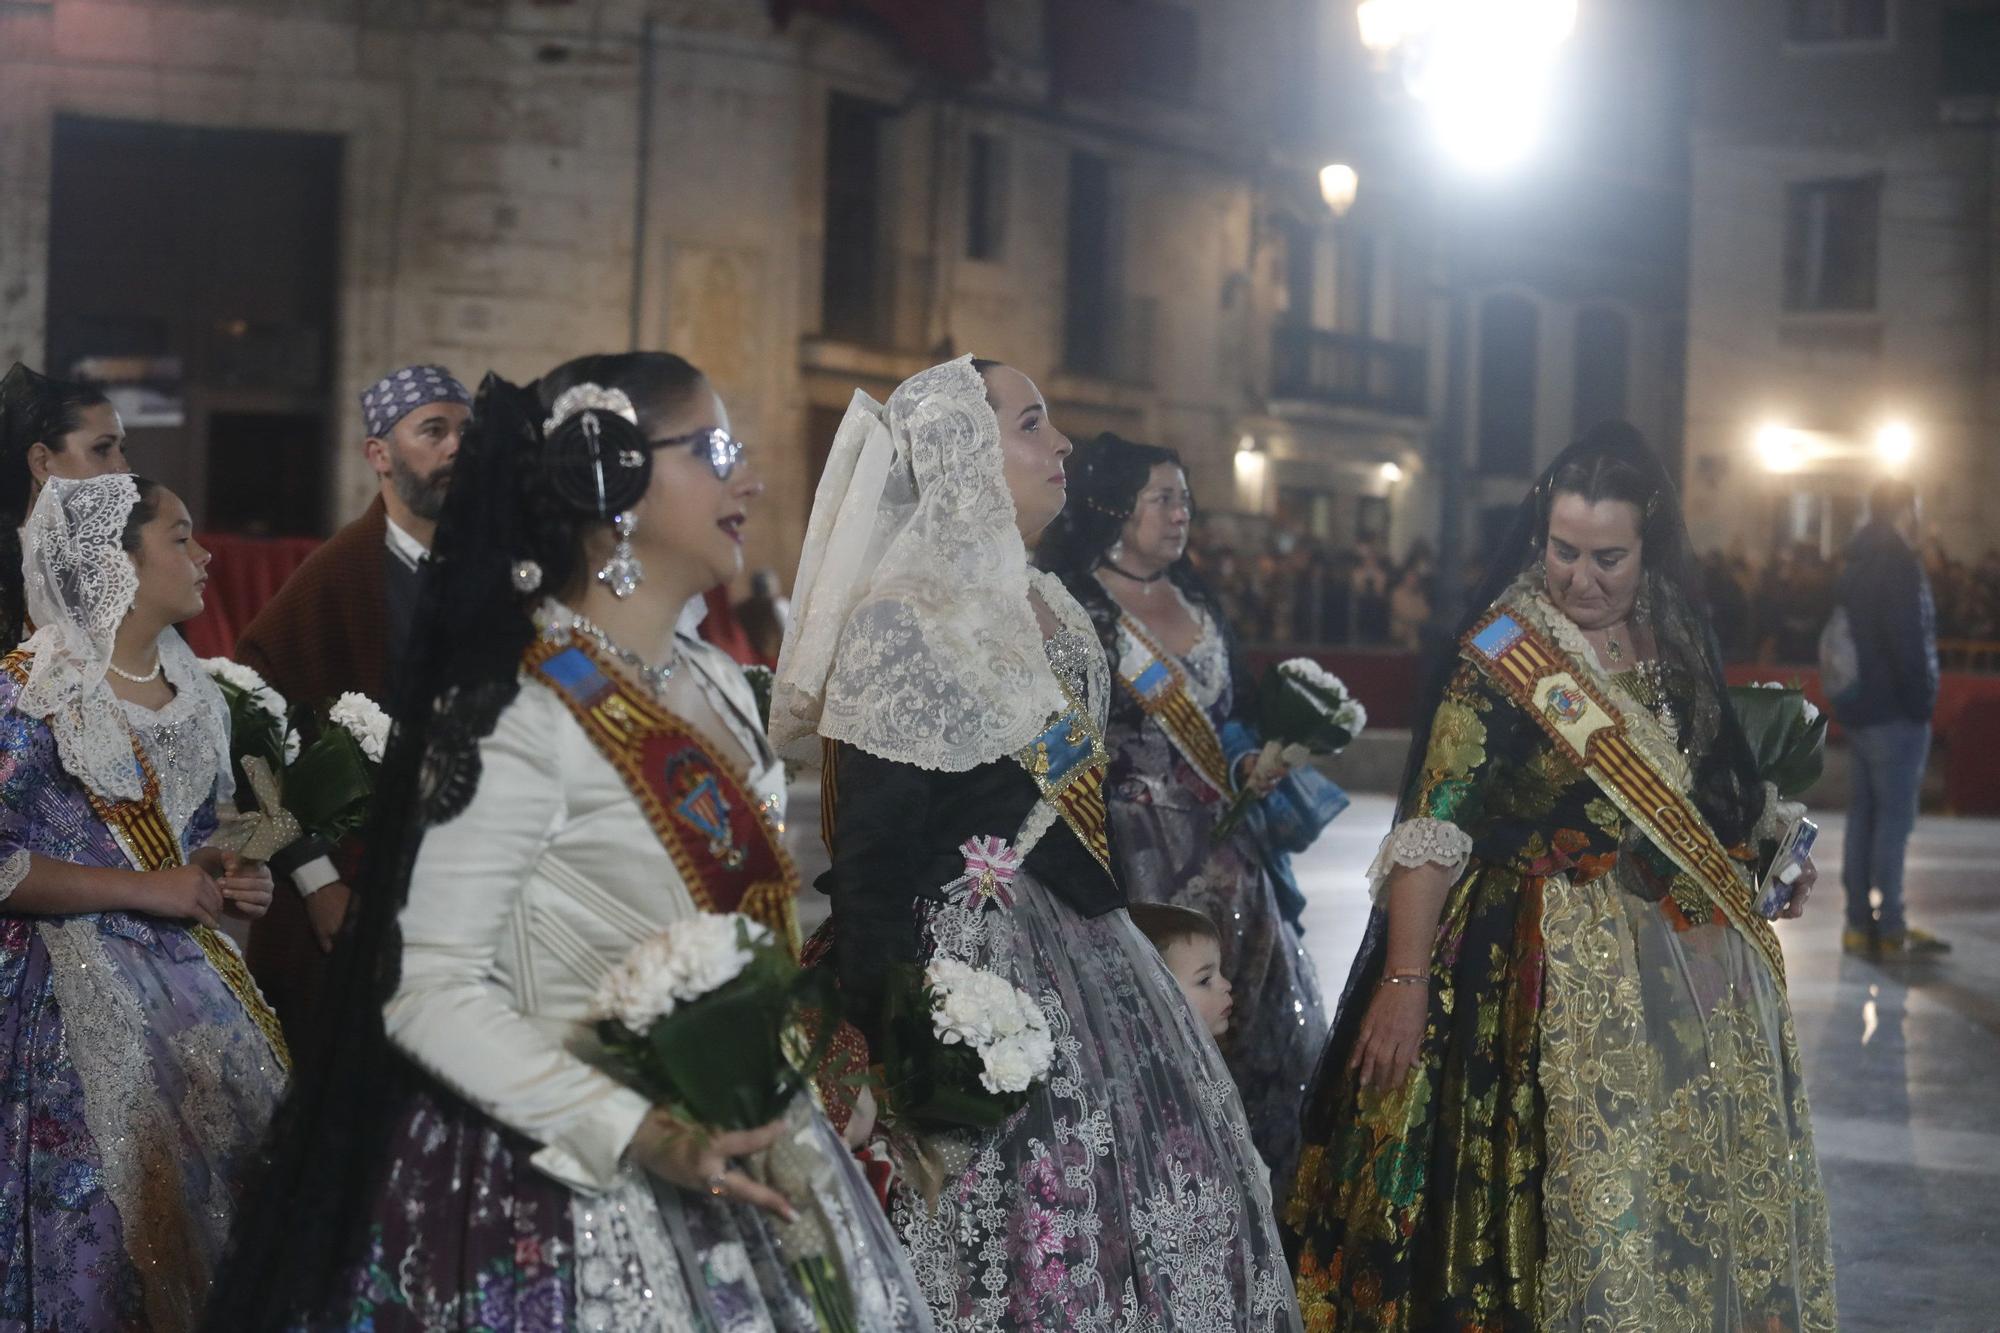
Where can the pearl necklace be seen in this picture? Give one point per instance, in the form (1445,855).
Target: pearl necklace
(159,665)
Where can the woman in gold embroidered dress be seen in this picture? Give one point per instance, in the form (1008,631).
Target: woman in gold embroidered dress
(1563,1089)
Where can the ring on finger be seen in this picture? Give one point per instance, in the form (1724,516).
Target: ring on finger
(715,1184)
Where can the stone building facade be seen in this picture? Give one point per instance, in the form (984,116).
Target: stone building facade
(806,197)
(1844,297)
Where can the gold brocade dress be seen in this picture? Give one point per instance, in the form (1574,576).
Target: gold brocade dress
(1607,1126)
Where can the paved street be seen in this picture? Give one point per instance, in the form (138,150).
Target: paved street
(1902,1062)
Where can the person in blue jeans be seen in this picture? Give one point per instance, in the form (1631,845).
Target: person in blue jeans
(1887,716)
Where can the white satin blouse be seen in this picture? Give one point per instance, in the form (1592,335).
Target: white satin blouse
(520,905)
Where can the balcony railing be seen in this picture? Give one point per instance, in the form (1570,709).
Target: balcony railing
(1346,370)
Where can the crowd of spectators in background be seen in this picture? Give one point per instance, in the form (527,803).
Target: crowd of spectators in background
(1297,591)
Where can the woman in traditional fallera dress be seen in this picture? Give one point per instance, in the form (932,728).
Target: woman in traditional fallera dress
(1563,1089)
(1181,746)
(501,1179)
(138,1065)
(960,698)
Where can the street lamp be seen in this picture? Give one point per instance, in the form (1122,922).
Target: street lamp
(1481,68)
(1895,444)
(1338,184)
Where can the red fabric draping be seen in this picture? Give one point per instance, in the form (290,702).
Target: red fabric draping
(245,573)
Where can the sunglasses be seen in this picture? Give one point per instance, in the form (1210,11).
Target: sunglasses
(717,447)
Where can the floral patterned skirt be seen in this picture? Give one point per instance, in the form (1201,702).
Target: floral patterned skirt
(470,1237)
(1126,1195)
(134,1091)
(1606,1129)
(1166,854)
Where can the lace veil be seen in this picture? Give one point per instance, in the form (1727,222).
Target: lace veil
(912,636)
(80,587)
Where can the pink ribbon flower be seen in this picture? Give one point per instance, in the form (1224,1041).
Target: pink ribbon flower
(990,867)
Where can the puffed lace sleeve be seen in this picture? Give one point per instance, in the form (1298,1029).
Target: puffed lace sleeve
(450,1014)
(1449,791)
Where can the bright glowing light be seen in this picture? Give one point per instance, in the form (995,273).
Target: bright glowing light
(1391,473)
(1250,479)
(1246,445)
(1384,24)
(1338,184)
(1895,443)
(1780,449)
(1483,68)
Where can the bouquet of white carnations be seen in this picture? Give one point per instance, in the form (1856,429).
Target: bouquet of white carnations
(963,1048)
(703,1018)
(288,789)
(1303,712)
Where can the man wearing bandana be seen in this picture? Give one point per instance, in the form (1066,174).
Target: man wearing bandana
(339,624)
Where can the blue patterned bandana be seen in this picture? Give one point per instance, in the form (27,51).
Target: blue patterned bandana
(402,392)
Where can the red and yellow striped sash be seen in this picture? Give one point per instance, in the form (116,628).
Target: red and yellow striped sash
(1161,687)
(1587,725)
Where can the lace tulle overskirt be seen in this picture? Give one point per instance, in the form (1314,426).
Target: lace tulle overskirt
(1167,853)
(1127,1194)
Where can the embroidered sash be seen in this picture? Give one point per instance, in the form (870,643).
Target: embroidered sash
(1160,684)
(1068,762)
(1560,694)
(712,825)
(141,830)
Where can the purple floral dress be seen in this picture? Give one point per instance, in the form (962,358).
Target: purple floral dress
(134,1086)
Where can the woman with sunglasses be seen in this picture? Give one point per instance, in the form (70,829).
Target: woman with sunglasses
(469,1161)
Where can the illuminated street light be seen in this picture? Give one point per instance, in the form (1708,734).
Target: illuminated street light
(1780,449)
(1338,184)
(1895,443)
(1482,68)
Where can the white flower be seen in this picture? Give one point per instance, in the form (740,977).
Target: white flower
(1017,1063)
(1769,685)
(1351,717)
(235,673)
(1309,672)
(292,746)
(682,963)
(249,682)
(986,1012)
(363,719)
(1811,711)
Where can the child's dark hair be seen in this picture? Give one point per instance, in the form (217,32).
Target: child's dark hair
(1165,924)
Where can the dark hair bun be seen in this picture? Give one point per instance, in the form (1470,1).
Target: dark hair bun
(598,463)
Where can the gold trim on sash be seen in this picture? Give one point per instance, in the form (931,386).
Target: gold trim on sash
(1173,706)
(1587,724)
(706,817)
(1068,762)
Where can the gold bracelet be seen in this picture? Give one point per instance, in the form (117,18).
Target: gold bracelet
(1407,979)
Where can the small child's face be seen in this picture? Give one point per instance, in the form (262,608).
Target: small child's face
(1197,965)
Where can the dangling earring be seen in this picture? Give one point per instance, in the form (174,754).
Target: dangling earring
(1642,605)
(622,573)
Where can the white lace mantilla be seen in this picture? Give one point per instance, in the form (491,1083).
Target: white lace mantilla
(912,637)
(80,587)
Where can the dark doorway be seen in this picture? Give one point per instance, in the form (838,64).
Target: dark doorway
(195,272)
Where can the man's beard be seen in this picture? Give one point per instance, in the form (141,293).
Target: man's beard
(423,496)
